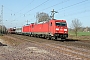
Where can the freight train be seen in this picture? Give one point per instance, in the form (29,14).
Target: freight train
(11,30)
(51,29)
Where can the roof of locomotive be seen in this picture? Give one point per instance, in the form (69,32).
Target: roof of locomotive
(45,22)
(52,20)
(58,20)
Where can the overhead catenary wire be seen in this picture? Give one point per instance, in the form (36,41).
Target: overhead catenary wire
(73,4)
(26,6)
(69,5)
(55,4)
(37,6)
(14,13)
(66,6)
(76,13)
(47,7)
(24,14)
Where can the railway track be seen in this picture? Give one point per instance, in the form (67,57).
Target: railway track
(77,49)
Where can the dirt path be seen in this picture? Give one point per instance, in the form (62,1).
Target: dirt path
(23,50)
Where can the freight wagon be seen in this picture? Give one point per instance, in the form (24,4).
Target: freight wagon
(18,31)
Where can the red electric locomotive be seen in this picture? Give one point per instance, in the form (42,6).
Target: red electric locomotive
(52,29)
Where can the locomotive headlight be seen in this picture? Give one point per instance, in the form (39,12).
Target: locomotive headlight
(57,28)
(65,29)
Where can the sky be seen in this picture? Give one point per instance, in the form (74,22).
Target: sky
(16,12)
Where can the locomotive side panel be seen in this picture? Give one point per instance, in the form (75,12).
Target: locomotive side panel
(40,28)
(26,30)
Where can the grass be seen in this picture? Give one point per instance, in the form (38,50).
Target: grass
(80,33)
(83,33)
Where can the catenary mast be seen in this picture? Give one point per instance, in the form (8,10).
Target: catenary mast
(1,20)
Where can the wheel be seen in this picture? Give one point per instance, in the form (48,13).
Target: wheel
(49,37)
(55,38)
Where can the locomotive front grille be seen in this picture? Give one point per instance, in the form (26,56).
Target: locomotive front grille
(61,35)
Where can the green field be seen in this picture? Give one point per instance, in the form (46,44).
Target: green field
(80,33)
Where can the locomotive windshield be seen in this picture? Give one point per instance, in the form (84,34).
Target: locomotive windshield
(61,24)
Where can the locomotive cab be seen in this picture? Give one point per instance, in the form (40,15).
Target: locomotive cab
(58,29)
